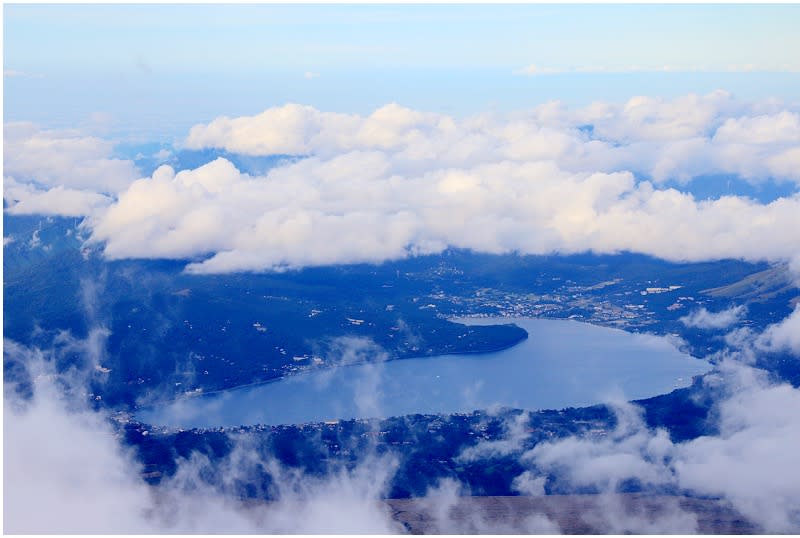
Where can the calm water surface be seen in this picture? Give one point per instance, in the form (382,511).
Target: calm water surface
(561,364)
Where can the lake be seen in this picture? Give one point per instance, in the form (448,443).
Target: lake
(561,364)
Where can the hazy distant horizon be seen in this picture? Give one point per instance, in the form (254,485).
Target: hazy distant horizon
(148,72)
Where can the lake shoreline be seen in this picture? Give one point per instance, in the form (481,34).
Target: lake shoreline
(216,392)
(559,364)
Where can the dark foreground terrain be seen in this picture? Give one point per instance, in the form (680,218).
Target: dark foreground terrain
(573,514)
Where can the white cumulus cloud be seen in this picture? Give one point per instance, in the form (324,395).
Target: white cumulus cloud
(364,206)
(399,182)
(63,158)
(27,199)
(660,138)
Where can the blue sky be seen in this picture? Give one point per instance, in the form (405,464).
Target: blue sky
(153,70)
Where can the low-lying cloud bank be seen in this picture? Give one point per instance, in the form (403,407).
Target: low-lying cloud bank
(401,182)
(354,208)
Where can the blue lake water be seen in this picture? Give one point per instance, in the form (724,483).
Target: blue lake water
(561,364)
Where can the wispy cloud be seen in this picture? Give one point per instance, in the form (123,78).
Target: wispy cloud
(703,319)
(533,69)
(92,484)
